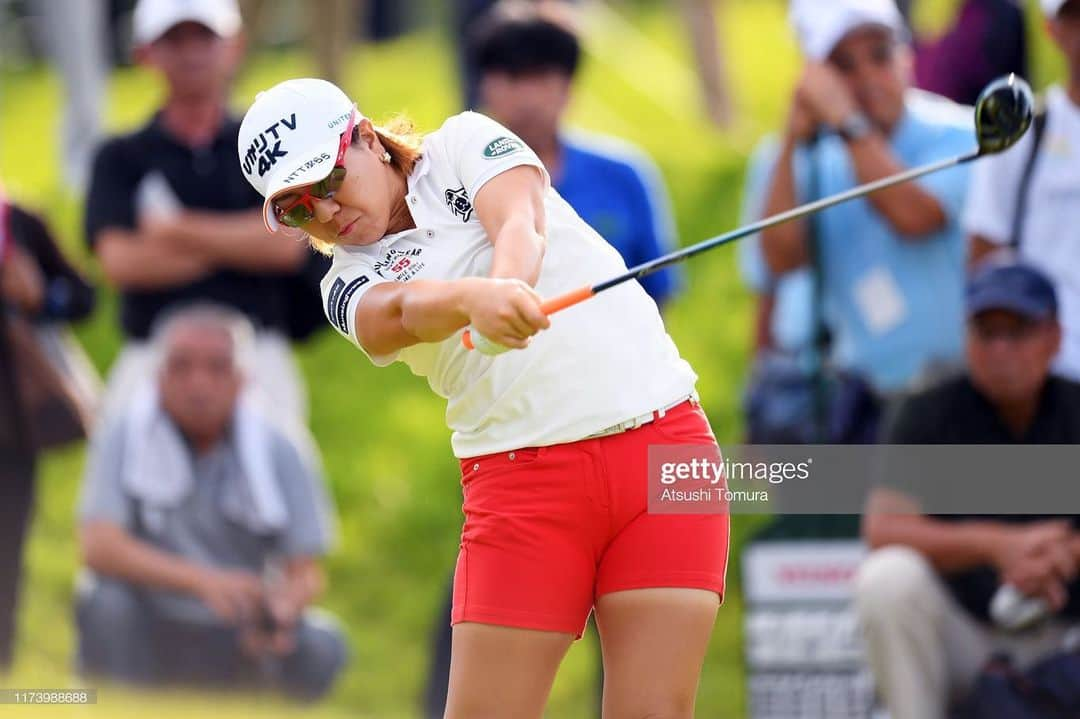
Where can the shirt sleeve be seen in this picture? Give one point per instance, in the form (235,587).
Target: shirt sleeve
(950,187)
(110,201)
(480,148)
(310,530)
(68,296)
(102,496)
(654,232)
(992,194)
(342,288)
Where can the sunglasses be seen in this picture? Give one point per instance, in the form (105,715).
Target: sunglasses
(298,210)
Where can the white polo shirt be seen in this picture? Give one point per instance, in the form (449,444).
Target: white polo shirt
(604,361)
(1050,232)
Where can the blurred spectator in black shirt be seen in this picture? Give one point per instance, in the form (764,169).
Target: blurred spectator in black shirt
(172,219)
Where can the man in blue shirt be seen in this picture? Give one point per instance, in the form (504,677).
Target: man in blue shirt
(527,56)
(891,265)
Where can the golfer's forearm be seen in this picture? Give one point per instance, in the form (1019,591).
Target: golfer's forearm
(133,262)
(238,240)
(432,310)
(948,546)
(111,551)
(912,211)
(519,252)
(395,315)
(784,245)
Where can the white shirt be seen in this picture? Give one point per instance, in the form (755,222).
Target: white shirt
(604,361)
(1050,232)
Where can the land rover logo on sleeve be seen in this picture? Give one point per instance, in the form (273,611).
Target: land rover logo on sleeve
(503,146)
(458,202)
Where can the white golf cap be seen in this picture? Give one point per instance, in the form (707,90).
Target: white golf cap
(1053,7)
(290,137)
(821,24)
(154,18)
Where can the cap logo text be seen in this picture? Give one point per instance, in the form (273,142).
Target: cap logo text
(261,155)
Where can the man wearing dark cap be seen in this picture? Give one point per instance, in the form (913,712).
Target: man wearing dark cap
(924,594)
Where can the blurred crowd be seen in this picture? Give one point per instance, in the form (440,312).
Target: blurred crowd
(942,311)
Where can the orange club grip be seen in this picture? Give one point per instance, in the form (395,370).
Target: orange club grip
(549,307)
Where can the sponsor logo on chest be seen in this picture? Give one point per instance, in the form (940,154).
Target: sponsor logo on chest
(458,202)
(400,265)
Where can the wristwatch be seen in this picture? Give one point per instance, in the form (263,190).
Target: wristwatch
(855,126)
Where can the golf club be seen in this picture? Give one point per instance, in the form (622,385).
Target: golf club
(1003,113)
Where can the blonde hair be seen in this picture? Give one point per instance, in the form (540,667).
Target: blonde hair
(401,139)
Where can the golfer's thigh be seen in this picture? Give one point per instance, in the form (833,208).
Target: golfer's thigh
(654,643)
(498,671)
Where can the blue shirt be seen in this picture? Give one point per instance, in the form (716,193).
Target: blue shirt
(894,305)
(618,191)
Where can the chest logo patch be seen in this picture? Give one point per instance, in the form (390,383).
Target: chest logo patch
(400,265)
(458,202)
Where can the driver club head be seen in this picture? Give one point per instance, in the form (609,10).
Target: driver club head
(1003,113)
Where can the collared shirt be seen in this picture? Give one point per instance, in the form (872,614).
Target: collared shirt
(1050,238)
(197,528)
(894,305)
(617,189)
(150,170)
(604,361)
(955,412)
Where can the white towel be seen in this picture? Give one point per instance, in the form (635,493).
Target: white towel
(158,469)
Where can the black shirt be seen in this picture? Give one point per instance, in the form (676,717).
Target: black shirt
(207,178)
(955,412)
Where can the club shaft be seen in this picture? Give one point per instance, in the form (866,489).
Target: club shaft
(794,213)
(556,304)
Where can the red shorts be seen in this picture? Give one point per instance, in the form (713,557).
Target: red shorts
(550,529)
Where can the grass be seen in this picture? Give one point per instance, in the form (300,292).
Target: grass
(391,472)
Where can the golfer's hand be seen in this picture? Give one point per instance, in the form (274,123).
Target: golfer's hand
(825,94)
(507,312)
(234,596)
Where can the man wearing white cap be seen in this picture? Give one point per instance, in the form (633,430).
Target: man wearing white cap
(169,214)
(888,268)
(1028,198)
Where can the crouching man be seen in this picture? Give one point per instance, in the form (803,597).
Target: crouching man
(202,525)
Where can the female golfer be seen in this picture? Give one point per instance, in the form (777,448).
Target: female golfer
(461,228)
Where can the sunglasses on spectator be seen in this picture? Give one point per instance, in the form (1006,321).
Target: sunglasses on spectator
(295,210)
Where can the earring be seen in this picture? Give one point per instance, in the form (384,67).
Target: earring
(386,157)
